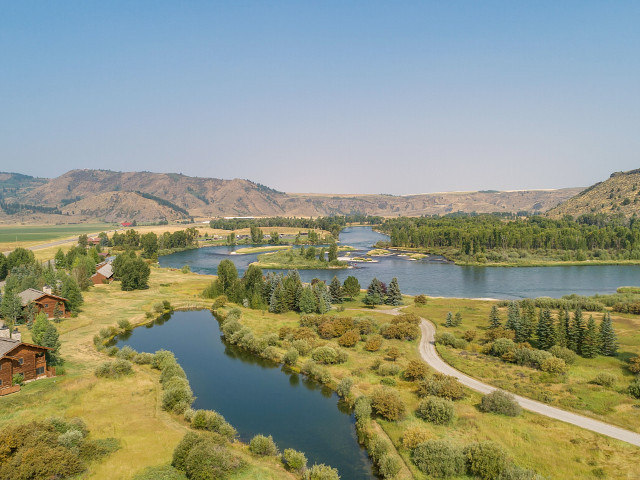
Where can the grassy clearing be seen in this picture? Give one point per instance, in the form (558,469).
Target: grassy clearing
(291,259)
(128,408)
(572,391)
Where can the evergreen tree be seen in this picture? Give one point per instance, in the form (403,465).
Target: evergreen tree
(51,339)
(308,302)
(527,322)
(335,289)
(333,252)
(608,339)
(292,289)
(39,327)
(562,328)
(4,269)
(590,340)
(494,318)
(323,297)
(513,317)
(351,287)
(449,321)
(375,294)
(276,302)
(576,332)
(71,292)
(545,330)
(394,297)
(10,308)
(60,260)
(457,319)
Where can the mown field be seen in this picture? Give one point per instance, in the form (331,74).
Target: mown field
(12,236)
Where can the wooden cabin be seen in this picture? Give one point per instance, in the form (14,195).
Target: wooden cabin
(104,274)
(25,358)
(45,301)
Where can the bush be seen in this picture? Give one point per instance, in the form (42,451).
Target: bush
(125,325)
(362,409)
(416,370)
(183,448)
(634,364)
(554,365)
(530,357)
(420,300)
(439,458)
(171,371)
(349,339)
(115,369)
(162,358)
(17,379)
(71,439)
(469,335)
(414,436)
(605,379)
(177,395)
(388,369)
(321,472)
(439,411)
(302,346)
(500,402)
(91,450)
(400,331)
(373,343)
(328,355)
(294,460)
(513,472)
(214,422)
(389,465)
(261,445)
(634,388)
(446,338)
(219,302)
(344,387)
(569,356)
(163,472)
(291,356)
(208,461)
(441,385)
(387,403)
(486,460)
(502,346)
(143,358)
(112,351)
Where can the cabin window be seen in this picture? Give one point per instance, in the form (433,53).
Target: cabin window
(0,382)
(46,305)
(20,361)
(39,354)
(40,371)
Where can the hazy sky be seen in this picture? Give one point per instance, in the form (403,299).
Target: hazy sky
(325,96)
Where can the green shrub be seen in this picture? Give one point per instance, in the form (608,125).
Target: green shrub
(502,346)
(302,346)
(291,357)
(388,381)
(569,356)
(362,409)
(605,379)
(439,458)
(513,472)
(328,355)
(500,402)
(486,460)
(440,385)
(162,358)
(17,379)
(439,411)
(420,300)
(414,436)
(177,395)
(112,351)
(261,445)
(388,369)
(344,387)
(219,302)
(210,461)
(446,338)
(294,460)
(71,439)
(634,388)
(92,450)
(554,365)
(183,448)
(416,370)
(214,422)
(530,357)
(115,369)
(321,472)
(389,465)
(143,358)
(387,403)
(164,472)
(125,325)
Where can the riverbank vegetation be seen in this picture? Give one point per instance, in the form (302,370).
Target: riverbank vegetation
(501,240)
(310,258)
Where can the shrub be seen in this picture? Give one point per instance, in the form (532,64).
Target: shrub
(414,436)
(554,365)
(328,355)
(436,410)
(344,387)
(530,357)
(373,343)
(171,371)
(377,447)
(362,409)
(502,346)
(219,302)
(605,379)
(569,356)
(416,370)
(143,358)
(513,472)
(111,351)
(91,450)
(302,346)
(486,460)
(125,324)
(400,331)
(387,403)
(388,369)
(321,472)
(634,388)
(177,395)
(469,335)
(388,381)
(500,402)
(441,385)
(163,472)
(209,461)
(71,439)
(389,465)
(446,338)
(439,458)
(634,364)
(214,422)
(261,445)
(17,379)
(291,356)
(115,369)
(349,339)
(420,300)
(183,448)
(294,460)
(162,358)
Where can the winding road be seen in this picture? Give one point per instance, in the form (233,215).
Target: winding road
(430,355)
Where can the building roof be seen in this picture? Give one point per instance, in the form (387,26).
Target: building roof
(31,295)
(8,344)
(106,270)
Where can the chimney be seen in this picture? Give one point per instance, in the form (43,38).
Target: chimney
(16,335)
(47,289)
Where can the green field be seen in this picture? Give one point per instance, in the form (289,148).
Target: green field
(30,234)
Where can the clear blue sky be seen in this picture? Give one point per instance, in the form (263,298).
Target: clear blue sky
(325,96)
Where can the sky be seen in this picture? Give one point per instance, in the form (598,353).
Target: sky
(338,96)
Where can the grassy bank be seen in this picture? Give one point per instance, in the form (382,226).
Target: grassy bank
(291,259)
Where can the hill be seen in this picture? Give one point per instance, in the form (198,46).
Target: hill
(103,195)
(619,194)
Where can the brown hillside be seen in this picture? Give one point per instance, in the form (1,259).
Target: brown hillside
(619,194)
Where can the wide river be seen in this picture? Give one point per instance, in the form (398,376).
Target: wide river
(435,276)
(255,395)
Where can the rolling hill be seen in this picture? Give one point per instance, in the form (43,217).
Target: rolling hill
(103,195)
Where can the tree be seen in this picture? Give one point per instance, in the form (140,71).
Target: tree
(3,267)
(134,274)
(227,276)
(59,260)
(20,256)
(82,269)
(333,252)
(562,329)
(449,321)
(11,309)
(274,238)
(149,243)
(527,323)
(83,241)
(307,301)
(256,234)
(513,317)
(457,319)
(39,327)
(394,296)
(335,289)
(494,318)
(591,340)
(608,339)
(351,287)
(576,332)
(545,331)
(71,292)
(231,238)
(375,293)
(322,296)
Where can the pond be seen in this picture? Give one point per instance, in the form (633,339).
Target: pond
(255,395)
(433,275)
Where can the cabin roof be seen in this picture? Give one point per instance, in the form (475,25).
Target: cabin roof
(31,295)
(9,344)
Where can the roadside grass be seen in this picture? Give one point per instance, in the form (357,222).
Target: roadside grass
(572,391)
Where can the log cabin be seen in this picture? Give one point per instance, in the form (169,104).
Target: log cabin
(44,301)
(25,358)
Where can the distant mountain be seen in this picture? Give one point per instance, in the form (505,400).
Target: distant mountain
(103,195)
(619,194)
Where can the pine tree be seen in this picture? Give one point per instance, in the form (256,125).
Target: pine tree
(590,340)
(608,339)
(39,327)
(457,319)
(527,323)
(335,289)
(561,332)
(576,332)
(513,317)
(494,318)
(51,339)
(323,297)
(308,302)
(545,331)
(276,302)
(59,260)
(394,296)
(375,295)
(449,321)
(11,308)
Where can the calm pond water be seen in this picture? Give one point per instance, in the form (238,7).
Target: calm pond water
(434,275)
(257,396)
